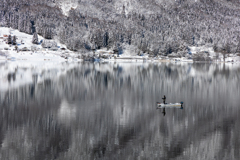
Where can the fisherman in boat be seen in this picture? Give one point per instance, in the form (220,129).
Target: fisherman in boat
(164,99)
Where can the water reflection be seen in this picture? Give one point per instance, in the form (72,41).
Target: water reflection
(164,112)
(66,113)
(108,111)
(164,109)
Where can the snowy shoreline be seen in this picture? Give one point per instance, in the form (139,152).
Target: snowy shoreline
(25,50)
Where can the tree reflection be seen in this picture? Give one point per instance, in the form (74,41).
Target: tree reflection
(108,111)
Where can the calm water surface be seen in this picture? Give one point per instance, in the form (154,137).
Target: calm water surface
(108,111)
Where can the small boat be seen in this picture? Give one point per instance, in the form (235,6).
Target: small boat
(170,105)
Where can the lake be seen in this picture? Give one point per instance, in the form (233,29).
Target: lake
(108,111)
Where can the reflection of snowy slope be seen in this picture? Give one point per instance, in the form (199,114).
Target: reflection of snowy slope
(15,74)
(112,107)
(109,80)
(66,113)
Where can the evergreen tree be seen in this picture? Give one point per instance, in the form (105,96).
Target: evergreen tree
(14,42)
(35,38)
(48,33)
(9,39)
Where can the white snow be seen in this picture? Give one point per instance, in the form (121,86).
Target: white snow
(195,49)
(229,57)
(37,52)
(66,6)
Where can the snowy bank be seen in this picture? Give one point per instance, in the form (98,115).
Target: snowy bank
(206,53)
(52,50)
(27,51)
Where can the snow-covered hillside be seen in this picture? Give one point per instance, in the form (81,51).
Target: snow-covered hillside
(25,50)
(155,27)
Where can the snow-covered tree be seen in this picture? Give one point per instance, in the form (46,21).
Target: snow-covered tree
(14,41)
(9,39)
(35,38)
(165,23)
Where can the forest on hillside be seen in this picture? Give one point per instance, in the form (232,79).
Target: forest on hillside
(156,27)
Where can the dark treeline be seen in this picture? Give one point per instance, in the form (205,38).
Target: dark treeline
(152,26)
